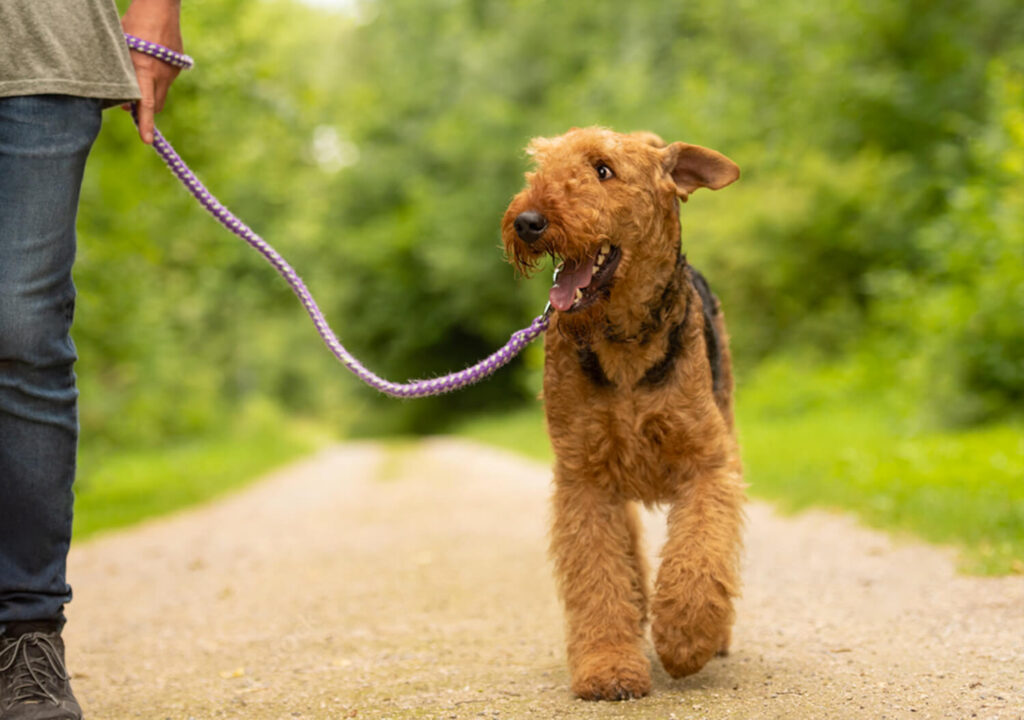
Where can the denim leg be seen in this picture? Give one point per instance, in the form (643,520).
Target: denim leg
(44,142)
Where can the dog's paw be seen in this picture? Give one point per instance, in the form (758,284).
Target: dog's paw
(692,623)
(612,674)
(684,653)
(680,662)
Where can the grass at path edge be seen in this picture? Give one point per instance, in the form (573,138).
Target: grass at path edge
(118,489)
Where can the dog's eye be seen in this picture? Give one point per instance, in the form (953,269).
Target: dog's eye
(603,171)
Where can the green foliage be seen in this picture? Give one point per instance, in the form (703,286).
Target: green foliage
(832,436)
(967,302)
(878,214)
(851,124)
(178,322)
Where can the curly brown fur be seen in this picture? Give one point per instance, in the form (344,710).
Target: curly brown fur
(633,412)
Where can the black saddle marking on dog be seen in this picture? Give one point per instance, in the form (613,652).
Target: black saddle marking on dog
(590,364)
(712,341)
(660,371)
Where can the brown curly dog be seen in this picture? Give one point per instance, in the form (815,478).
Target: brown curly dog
(638,397)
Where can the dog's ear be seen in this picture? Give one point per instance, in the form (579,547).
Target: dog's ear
(693,166)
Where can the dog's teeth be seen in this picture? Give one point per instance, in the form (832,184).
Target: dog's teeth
(579,295)
(606,248)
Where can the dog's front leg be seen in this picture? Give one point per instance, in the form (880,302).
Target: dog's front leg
(600,572)
(699,573)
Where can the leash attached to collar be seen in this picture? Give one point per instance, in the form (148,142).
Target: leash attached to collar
(412,389)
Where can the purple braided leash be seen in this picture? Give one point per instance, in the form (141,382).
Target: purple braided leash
(412,389)
(171,57)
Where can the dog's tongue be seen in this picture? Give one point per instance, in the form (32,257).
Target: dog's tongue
(573,276)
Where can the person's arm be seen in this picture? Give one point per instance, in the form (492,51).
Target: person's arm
(157,21)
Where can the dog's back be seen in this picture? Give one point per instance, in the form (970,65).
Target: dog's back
(717,345)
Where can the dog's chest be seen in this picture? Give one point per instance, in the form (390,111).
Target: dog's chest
(637,420)
(635,445)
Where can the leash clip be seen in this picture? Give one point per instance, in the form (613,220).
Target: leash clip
(554,281)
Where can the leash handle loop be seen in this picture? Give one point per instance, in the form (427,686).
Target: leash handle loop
(171,57)
(412,389)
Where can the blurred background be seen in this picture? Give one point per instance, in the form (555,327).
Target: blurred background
(870,260)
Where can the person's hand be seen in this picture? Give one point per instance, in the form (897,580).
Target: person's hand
(157,21)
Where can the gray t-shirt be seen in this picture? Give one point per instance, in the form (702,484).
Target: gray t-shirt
(64,47)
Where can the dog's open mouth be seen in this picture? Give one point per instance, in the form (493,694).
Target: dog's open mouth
(580,283)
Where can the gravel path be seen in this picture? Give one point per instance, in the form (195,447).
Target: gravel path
(377,581)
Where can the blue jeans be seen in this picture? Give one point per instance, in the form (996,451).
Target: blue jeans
(44,142)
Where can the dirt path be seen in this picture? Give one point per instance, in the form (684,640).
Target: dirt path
(374,582)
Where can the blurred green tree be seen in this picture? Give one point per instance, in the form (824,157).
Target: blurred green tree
(880,203)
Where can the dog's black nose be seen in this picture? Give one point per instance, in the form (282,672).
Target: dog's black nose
(530,225)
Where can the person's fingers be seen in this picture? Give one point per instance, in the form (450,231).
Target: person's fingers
(155,78)
(160,88)
(147,108)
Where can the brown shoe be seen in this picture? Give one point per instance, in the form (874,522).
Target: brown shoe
(34,682)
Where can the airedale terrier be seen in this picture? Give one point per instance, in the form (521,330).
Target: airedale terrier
(638,398)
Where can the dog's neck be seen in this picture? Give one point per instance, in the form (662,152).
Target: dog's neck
(646,299)
(641,354)
(644,319)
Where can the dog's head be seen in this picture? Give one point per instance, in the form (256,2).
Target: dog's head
(605,205)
